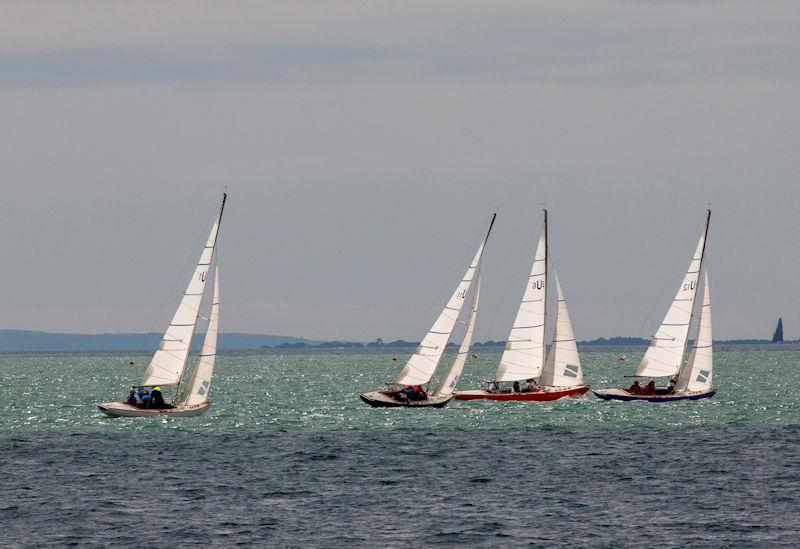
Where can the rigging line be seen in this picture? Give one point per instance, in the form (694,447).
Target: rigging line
(669,279)
(189,258)
(522,256)
(553,317)
(442,292)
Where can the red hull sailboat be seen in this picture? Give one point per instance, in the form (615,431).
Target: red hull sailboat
(547,376)
(540,394)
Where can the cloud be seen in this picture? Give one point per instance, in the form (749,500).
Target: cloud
(338,43)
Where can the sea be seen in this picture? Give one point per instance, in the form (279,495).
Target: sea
(288,456)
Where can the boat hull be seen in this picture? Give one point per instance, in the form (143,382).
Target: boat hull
(623,395)
(543,395)
(383,399)
(123,409)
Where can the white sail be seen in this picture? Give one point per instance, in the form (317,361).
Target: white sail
(167,365)
(563,365)
(420,367)
(200,382)
(697,373)
(523,356)
(449,381)
(665,353)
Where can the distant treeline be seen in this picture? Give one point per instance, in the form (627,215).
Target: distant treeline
(28,341)
(403,344)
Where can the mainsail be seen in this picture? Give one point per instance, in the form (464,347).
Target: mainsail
(523,356)
(167,365)
(696,374)
(420,367)
(563,365)
(449,381)
(665,353)
(200,382)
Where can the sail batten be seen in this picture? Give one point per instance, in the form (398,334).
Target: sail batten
(516,362)
(199,383)
(423,362)
(450,379)
(697,374)
(563,365)
(169,361)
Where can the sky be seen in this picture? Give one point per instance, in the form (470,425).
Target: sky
(364,146)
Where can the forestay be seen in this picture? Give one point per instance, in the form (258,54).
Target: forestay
(420,367)
(563,366)
(167,365)
(523,356)
(665,353)
(696,374)
(200,382)
(448,384)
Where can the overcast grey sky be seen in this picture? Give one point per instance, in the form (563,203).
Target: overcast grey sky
(365,144)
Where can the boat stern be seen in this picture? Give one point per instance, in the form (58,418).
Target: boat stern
(378,399)
(116,408)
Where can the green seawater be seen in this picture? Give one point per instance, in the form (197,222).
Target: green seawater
(319,390)
(288,456)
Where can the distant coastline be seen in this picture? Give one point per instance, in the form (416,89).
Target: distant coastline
(30,341)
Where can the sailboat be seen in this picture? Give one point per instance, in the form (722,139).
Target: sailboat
(407,391)
(689,380)
(777,337)
(548,376)
(169,361)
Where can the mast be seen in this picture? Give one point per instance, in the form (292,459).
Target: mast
(169,361)
(665,355)
(524,353)
(546,259)
(697,374)
(694,297)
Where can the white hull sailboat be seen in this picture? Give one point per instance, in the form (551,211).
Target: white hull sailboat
(169,361)
(407,390)
(689,380)
(122,409)
(547,376)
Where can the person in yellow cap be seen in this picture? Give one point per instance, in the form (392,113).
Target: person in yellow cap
(156,398)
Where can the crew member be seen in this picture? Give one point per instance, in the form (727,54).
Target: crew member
(157,399)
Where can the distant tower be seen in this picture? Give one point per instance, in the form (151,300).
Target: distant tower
(778,336)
